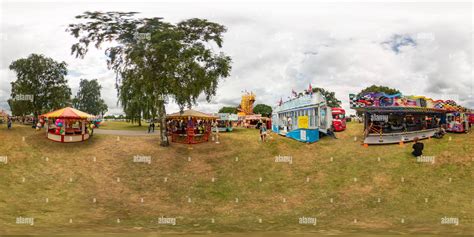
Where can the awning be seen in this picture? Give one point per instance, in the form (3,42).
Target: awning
(67,113)
(400,110)
(191,113)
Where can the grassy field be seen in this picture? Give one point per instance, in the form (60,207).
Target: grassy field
(347,187)
(122,125)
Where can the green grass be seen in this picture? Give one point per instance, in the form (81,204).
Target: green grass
(234,179)
(122,125)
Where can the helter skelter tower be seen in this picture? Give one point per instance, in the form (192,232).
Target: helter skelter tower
(246,104)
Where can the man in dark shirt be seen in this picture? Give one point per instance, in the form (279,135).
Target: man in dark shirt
(417,147)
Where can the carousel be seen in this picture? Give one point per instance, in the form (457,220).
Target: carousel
(68,125)
(190,126)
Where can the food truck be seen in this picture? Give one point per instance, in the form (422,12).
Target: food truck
(302,118)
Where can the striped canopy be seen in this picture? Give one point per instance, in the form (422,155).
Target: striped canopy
(67,113)
(191,113)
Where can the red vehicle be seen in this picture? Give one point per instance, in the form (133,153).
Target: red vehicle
(339,119)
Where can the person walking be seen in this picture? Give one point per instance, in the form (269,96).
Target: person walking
(149,127)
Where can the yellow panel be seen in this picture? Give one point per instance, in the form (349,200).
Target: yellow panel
(303,121)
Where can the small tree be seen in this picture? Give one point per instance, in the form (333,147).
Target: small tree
(88,98)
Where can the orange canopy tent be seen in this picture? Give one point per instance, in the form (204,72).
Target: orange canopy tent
(67,113)
(70,125)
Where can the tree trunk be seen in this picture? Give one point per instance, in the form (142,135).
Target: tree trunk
(139,121)
(162,121)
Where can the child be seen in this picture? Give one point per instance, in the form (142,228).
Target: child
(417,147)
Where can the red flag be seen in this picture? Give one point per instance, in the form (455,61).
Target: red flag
(310,89)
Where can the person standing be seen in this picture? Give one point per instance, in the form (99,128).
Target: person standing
(331,133)
(216,129)
(9,123)
(263,133)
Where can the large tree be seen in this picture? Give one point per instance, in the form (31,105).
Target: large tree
(40,86)
(178,61)
(263,109)
(88,98)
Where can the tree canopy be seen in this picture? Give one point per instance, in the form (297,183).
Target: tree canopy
(88,98)
(330,96)
(228,109)
(263,109)
(165,61)
(375,88)
(40,86)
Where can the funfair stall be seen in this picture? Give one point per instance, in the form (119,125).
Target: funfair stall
(226,121)
(302,118)
(190,126)
(396,118)
(68,125)
(3,117)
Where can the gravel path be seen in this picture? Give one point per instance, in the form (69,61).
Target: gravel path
(126,132)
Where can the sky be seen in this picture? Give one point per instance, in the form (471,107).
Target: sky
(276,47)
